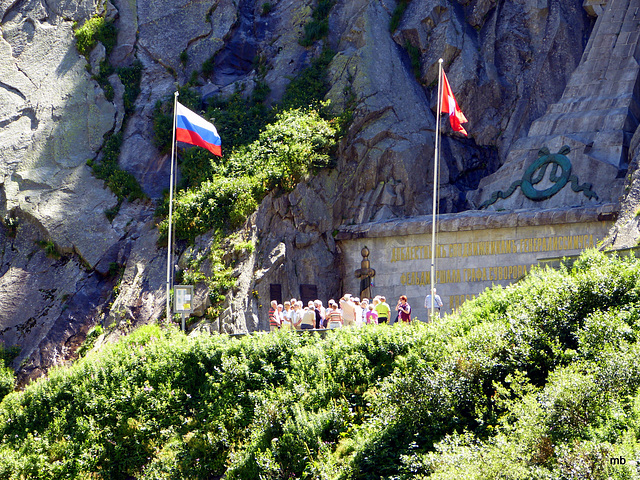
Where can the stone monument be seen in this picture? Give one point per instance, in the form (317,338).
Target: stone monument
(365,273)
(539,204)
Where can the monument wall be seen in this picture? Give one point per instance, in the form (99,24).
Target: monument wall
(474,251)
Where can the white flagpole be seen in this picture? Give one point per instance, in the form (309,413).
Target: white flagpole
(170,233)
(435,190)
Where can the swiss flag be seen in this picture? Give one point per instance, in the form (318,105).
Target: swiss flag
(450,106)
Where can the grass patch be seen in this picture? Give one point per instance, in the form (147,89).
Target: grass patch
(397,14)
(318,27)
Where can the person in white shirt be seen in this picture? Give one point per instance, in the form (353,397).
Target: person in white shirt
(358,311)
(308,318)
(348,310)
(287,314)
(437,302)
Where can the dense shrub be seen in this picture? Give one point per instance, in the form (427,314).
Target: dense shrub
(219,203)
(240,118)
(465,398)
(7,375)
(285,151)
(130,78)
(269,146)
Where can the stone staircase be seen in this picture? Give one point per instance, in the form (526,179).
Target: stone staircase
(596,117)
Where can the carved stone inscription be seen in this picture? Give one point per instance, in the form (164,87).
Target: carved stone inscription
(466,262)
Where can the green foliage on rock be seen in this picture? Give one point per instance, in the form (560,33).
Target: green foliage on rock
(397,14)
(130,78)
(123,184)
(90,340)
(537,380)
(269,148)
(220,203)
(94,30)
(240,119)
(284,152)
(7,375)
(311,85)
(318,27)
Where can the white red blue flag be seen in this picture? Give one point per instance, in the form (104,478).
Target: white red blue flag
(191,128)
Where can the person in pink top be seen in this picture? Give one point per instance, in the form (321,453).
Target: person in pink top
(371,316)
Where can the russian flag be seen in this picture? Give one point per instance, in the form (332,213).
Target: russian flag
(193,129)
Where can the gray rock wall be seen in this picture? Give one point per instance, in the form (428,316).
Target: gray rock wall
(507,61)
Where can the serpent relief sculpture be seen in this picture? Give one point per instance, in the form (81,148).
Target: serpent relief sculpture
(536,172)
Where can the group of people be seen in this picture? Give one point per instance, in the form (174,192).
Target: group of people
(348,311)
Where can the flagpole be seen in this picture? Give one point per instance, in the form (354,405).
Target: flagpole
(170,233)
(435,189)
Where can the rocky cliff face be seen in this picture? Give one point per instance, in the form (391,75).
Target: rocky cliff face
(507,62)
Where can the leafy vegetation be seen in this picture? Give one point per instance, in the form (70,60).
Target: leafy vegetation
(90,340)
(94,30)
(309,88)
(7,376)
(130,78)
(50,249)
(121,183)
(265,148)
(270,148)
(240,119)
(285,151)
(537,380)
(318,27)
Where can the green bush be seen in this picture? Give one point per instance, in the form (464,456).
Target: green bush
(238,119)
(285,151)
(90,340)
(7,381)
(94,30)
(7,375)
(465,398)
(222,203)
(130,78)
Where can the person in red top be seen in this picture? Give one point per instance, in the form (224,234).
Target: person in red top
(274,317)
(404,309)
